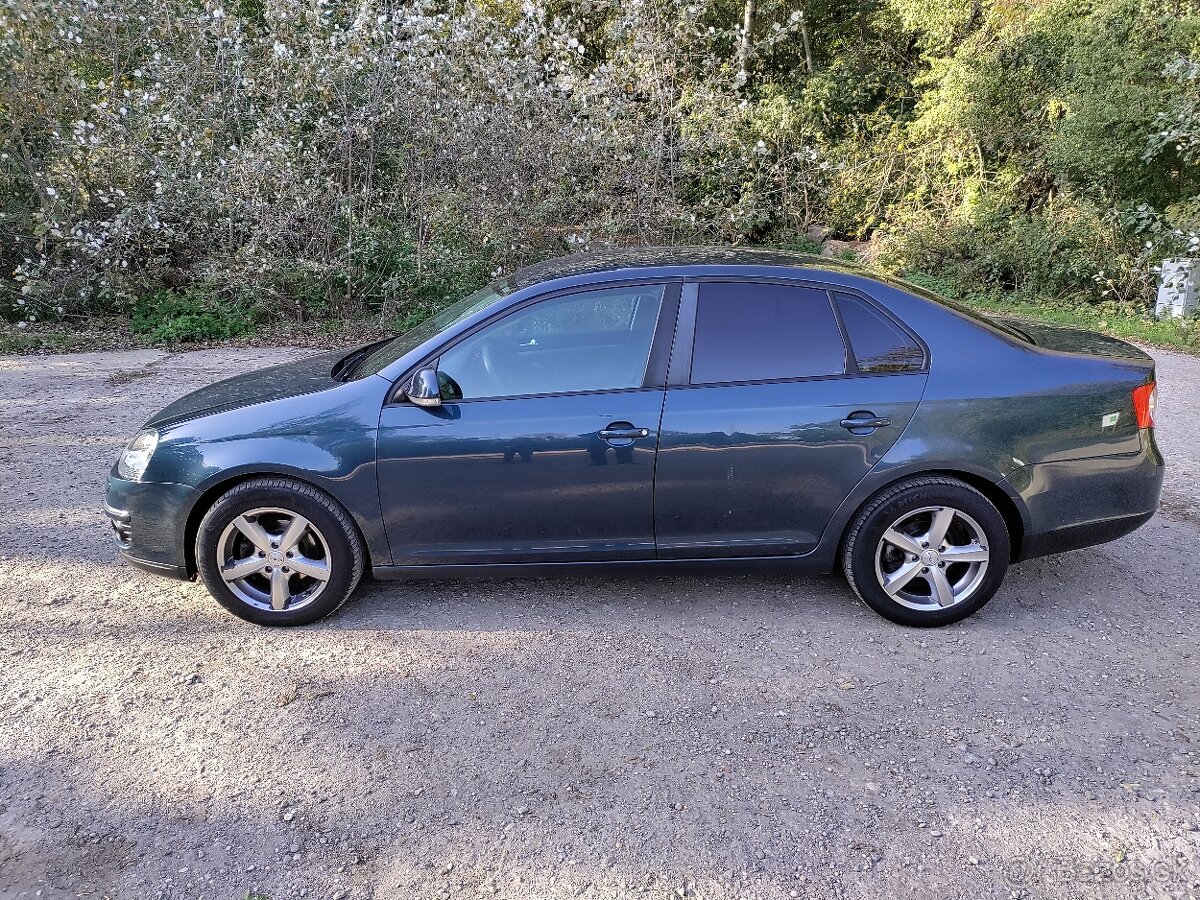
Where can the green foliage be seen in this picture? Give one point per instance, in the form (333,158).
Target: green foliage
(376,163)
(797,243)
(1069,247)
(168,317)
(23,342)
(1120,320)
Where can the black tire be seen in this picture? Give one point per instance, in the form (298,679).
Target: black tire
(343,551)
(863,546)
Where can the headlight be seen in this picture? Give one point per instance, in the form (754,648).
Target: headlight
(136,456)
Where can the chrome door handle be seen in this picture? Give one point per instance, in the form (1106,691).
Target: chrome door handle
(873,422)
(623,434)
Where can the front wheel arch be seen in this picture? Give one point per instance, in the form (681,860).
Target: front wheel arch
(212,492)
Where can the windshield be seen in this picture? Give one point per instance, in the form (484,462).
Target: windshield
(396,347)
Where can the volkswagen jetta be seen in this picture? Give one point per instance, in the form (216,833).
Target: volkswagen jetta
(654,409)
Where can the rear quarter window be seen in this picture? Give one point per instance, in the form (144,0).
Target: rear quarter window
(878,344)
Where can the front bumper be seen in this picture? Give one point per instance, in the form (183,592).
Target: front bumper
(149,524)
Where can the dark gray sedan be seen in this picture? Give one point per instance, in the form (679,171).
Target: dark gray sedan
(654,409)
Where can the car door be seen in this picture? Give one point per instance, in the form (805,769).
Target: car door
(543,448)
(759,443)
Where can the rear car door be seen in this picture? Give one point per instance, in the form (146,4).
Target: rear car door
(543,448)
(759,440)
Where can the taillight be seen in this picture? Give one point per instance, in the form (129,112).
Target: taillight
(1145,399)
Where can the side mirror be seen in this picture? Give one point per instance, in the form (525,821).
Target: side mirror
(424,389)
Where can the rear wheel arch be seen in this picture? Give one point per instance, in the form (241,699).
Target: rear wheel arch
(215,491)
(967,550)
(1001,499)
(1006,504)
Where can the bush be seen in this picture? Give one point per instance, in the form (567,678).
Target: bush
(376,159)
(1069,250)
(167,317)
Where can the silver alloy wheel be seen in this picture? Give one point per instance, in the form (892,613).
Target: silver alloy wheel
(932,558)
(274,559)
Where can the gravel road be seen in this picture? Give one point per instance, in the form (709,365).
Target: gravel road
(730,737)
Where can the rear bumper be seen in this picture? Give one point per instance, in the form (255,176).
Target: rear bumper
(148,522)
(1079,503)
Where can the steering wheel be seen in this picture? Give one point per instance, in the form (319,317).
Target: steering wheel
(490,358)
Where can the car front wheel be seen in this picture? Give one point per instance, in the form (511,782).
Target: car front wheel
(927,552)
(278,552)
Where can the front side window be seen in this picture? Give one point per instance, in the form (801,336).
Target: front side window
(878,344)
(762,332)
(391,350)
(590,341)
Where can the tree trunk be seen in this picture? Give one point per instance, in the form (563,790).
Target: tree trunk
(808,63)
(751,11)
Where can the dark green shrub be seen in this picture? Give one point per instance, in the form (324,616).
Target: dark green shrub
(168,317)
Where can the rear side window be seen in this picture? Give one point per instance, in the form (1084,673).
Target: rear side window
(761,332)
(877,343)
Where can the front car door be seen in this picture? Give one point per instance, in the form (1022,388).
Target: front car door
(759,445)
(544,447)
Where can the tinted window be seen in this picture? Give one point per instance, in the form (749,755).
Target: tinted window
(759,332)
(878,345)
(597,340)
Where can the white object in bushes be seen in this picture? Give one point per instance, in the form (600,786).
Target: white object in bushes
(1178,288)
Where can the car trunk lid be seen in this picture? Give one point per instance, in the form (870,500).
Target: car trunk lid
(1075,340)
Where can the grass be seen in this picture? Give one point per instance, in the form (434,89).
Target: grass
(1129,325)
(55,341)
(157,325)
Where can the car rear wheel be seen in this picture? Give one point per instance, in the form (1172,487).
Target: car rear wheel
(927,551)
(278,552)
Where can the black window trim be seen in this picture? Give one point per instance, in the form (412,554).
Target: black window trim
(878,307)
(680,371)
(656,363)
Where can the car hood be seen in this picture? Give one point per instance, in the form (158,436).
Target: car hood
(1075,340)
(304,376)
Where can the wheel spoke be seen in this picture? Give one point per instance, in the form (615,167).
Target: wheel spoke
(254,533)
(968,553)
(905,542)
(901,577)
(294,532)
(313,568)
(939,526)
(942,591)
(279,589)
(240,568)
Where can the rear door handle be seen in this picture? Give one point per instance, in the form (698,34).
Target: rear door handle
(619,431)
(865,420)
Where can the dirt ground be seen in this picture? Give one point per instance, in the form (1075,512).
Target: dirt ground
(728,737)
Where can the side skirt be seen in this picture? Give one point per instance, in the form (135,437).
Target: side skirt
(766,565)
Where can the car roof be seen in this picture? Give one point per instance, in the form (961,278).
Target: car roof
(607,261)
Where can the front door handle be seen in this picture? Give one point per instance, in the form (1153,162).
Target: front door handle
(864,421)
(623,431)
